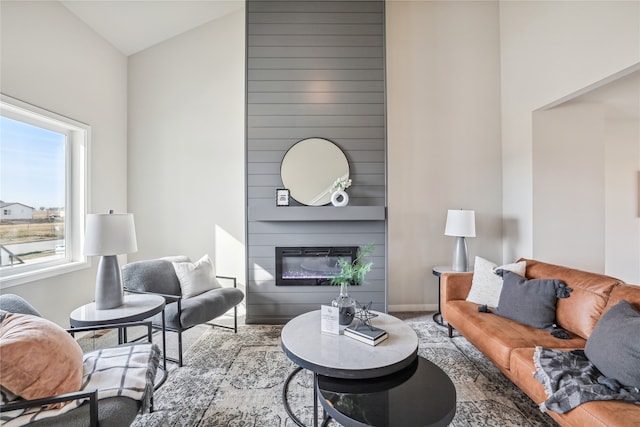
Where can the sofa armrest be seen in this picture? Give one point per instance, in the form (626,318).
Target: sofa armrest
(454,286)
(231,278)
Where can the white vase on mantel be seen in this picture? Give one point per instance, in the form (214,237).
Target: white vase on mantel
(339,198)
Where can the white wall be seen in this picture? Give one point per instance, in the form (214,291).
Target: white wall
(622,184)
(50,59)
(569,186)
(443,113)
(550,49)
(586,157)
(186,145)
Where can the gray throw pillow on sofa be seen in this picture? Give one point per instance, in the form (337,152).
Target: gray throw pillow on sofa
(529,301)
(614,344)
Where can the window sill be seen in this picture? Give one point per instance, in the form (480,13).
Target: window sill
(41,273)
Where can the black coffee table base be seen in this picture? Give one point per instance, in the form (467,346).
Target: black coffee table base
(419,395)
(285,400)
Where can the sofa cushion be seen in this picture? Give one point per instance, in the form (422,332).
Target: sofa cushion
(597,413)
(196,278)
(39,358)
(522,368)
(486,285)
(497,336)
(630,293)
(614,344)
(529,301)
(579,313)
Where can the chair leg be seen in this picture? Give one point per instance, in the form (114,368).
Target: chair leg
(450,330)
(180,348)
(235,319)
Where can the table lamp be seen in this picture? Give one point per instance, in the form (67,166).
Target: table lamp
(460,224)
(109,235)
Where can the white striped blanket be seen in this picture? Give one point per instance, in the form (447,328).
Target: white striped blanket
(128,371)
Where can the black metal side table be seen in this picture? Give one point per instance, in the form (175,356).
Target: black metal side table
(135,308)
(437,271)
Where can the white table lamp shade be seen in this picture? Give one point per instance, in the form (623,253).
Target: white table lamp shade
(460,223)
(110,234)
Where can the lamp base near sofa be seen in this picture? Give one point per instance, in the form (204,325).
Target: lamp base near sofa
(460,261)
(109,292)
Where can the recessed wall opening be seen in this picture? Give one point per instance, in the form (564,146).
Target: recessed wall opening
(592,136)
(310,266)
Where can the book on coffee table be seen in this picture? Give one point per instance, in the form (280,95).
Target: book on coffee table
(366,334)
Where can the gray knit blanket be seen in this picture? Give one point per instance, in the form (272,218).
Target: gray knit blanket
(570,379)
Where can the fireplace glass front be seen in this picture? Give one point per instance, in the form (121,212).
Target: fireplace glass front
(310,266)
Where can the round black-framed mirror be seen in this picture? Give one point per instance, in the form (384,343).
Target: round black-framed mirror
(310,168)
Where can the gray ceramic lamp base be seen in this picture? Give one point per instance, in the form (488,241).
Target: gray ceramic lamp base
(109,284)
(460,258)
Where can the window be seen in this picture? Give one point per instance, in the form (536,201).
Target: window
(43,184)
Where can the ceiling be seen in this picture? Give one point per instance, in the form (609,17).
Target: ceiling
(135,25)
(132,26)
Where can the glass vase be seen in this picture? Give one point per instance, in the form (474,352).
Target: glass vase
(346,305)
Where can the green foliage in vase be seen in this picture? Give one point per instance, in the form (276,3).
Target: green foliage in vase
(352,273)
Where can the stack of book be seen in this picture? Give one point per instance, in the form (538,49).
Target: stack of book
(366,334)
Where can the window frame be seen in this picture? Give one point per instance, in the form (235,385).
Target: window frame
(77,152)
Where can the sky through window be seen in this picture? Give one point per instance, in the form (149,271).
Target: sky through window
(32,165)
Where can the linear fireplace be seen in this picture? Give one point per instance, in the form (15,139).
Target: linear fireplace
(310,266)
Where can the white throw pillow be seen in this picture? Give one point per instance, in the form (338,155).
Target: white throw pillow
(486,285)
(196,278)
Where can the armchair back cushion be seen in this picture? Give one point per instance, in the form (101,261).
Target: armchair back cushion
(16,304)
(39,358)
(156,275)
(196,278)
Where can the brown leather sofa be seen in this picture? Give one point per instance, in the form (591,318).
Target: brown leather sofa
(511,345)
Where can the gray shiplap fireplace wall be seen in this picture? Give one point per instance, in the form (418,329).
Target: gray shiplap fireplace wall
(314,69)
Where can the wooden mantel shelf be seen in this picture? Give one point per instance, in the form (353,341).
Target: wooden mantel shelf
(317,213)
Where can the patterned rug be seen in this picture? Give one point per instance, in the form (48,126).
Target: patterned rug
(236,380)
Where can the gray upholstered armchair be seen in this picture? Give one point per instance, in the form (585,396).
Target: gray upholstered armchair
(158,276)
(114,406)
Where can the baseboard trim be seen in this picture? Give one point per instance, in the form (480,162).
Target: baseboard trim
(413,307)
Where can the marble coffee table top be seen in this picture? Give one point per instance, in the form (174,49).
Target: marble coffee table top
(343,357)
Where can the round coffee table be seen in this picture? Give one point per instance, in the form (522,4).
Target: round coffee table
(338,356)
(420,395)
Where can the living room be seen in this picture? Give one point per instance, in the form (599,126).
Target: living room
(460,91)
(465,82)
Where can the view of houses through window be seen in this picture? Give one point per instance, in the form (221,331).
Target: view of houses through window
(32,192)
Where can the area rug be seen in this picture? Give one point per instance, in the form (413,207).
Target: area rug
(236,380)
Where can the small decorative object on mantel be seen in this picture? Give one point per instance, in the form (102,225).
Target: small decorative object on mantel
(339,197)
(350,273)
(282,197)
